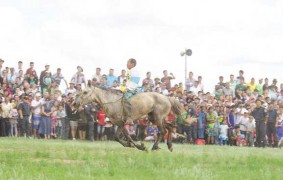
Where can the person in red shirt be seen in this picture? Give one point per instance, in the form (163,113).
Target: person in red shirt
(101,116)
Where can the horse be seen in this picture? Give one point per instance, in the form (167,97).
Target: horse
(120,109)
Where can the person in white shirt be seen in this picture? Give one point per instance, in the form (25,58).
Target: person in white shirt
(243,121)
(36,113)
(71,89)
(223,136)
(7,109)
(240,112)
(250,127)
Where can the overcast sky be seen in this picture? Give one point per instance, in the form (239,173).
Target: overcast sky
(224,36)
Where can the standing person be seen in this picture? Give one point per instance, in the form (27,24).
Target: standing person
(232,82)
(43,73)
(91,110)
(36,111)
(280,124)
(167,79)
(223,136)
(272,117)
(133,77)
(58,76)
(14,120)
(24,112)
(190,82)
(7,110)
(71,89)
(201,122)
(66,114)
(260,117)
(101,116)
(259,86)
(122,77)
(97,74)
(61,114)
(46,112)
(111,78)
(211,118)
(72,115)
(20,67)
(148,80)
(250,131)
(79,77)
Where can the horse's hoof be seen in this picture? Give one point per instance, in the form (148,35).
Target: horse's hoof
(171,149)
(155,149)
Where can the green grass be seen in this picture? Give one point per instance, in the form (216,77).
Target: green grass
(56,159)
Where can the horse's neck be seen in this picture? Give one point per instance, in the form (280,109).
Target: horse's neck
(108,99)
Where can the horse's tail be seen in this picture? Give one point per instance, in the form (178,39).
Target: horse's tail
(177,108)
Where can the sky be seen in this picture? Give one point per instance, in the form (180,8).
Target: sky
(224,36)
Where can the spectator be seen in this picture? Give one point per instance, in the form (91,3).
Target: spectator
(36,113)
(45,125)
(228,91)
(57,77)
(259,86)
(266,84)
(14,120)
(280,124)
(250,125)
(6,110)
(148,80)
(25,112)
(79,77)
(60,115)
(272,118)
(167,79)
(232,82)
(30,70)
(223,136)
(189,82)
(42,77)
(240,77)
(252,85)
(20,67)
(121,77)
(91,110)
(101,116)
(97,74)
(260,116)
(71,89)
(151,133)
(221,82)
(111,78)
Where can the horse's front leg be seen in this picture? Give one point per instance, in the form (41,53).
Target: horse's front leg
(138,146)
(120,137)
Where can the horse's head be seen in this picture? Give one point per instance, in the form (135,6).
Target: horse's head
(85,97)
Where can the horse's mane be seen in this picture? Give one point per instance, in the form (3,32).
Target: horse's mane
(113,91)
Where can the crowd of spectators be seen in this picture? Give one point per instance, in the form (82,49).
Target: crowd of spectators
(238,112)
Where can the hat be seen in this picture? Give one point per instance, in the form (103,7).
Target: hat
(47,65)
(58,68)
(20,62)
(79,67)
(274,80)
(37,95)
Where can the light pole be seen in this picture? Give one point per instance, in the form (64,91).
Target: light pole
(186,53)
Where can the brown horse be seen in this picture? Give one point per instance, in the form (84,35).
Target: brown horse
(119,110)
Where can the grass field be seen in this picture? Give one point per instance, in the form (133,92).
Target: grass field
(56,159)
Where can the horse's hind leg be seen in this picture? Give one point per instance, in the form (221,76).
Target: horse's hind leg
(160,136)
(169,139)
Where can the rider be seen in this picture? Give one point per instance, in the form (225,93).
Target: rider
(132,75)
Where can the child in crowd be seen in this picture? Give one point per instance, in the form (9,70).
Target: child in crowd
(53,119)
(238,137)
(132,131)
(223,137)
(107,129)
(60,114)
(151,133)
(216,130)
(250,127)
(14,120)
(176,137)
